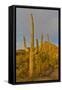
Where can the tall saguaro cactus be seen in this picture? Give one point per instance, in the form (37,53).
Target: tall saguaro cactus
(32,48)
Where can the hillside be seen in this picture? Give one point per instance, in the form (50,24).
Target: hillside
(45,64)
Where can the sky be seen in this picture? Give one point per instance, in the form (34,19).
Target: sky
(45,21)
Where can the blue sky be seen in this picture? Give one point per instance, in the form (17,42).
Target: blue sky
(45,21)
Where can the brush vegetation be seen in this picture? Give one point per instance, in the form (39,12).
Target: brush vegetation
(45,64)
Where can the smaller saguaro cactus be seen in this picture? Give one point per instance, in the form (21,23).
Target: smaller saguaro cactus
(48,37)
(41,42)
(36,45)
(24,42)
(42,37)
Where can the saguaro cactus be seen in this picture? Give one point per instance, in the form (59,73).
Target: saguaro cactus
(41,42)
(31,49)
(48,39)
(37,45)
(24,42)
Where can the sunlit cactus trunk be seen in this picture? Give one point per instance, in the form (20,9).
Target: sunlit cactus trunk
(31,49)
